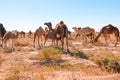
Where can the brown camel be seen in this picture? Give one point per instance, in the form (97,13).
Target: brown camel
(40,33)
(51,34)
(2,31)
(10,35)
(107,31)
(76,31)
(85,32)
(62,31)
(30,33)
(22,34)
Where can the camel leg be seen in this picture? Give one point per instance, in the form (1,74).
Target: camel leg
(62,42)
(45,41)
(38,42)
(67,44)
(34,40)
(105,36)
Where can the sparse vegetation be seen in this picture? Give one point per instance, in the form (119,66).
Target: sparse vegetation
(49,53)
(79,54)
(110,65)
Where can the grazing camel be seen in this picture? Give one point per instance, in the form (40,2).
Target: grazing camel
(51,34)
(10,35)
(2,31)
(62,31)
(22,34)
(85,32)
(107,31)
(40,33)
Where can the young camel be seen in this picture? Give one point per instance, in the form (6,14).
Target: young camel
(107,31)
(10,35)
(40,33)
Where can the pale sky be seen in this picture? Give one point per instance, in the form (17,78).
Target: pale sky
(30,14)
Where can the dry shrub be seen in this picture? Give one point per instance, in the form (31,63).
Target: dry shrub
(109,65)
(48,53)
(21,44)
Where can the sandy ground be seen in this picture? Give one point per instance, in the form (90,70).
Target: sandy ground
(25,52)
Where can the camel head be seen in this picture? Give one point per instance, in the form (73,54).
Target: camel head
(49,25)
(61,22)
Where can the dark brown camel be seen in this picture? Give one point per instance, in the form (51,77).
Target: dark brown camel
(40,33)
(107,31)
(60,32)
(2,31)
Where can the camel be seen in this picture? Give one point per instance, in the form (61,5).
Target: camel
(62,31)
(51,34)
(22,34)
(59,33)
(29,33)
(10,35)
(2,31)
(107,31)
(77,31)
(40,33)
(69,33)
(85,32)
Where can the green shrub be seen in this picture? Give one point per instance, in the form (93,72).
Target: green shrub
(79,54)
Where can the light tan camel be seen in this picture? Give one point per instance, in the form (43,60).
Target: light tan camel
(76,31)
(40,33)
(51,34)
(107,31)
(85,32)
(10,35)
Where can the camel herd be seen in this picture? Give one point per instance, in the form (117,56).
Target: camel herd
(60,33)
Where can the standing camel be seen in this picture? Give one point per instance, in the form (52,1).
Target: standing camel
(51,34)
(85,32)
(107,31)
(76,31)
(40,33)
(10,35)
(2,31)
(62,31)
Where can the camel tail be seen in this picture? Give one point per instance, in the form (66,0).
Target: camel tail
(97,37)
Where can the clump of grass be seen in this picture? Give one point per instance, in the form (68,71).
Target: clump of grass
(21,44)
(109,65)
(48,53)
(17,71)
(79,54)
